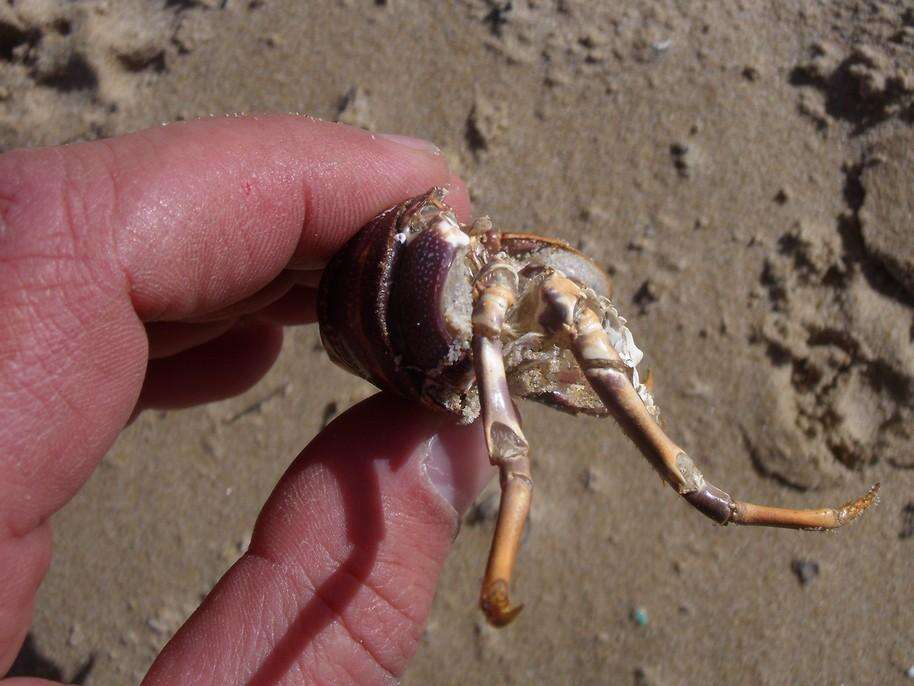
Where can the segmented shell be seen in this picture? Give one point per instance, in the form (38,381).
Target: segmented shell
(380,304)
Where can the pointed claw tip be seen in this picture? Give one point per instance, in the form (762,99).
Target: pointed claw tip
(855,508)
(500,617)
(496,605)
(871,497)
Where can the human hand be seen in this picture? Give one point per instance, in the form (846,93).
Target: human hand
(156,270)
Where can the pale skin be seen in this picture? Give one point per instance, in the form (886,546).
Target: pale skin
(158,270)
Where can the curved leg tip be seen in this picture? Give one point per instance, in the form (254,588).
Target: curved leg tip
(496,604)
(822,519)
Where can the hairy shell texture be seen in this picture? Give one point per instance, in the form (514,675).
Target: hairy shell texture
(395,306)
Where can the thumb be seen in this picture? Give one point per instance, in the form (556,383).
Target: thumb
(341,572)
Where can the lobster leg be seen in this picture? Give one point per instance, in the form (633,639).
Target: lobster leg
(496,288)
(566,313)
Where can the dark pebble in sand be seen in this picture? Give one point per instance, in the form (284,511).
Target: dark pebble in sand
(806,570)
(907,521)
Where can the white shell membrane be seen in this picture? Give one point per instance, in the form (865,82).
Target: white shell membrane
(537,363)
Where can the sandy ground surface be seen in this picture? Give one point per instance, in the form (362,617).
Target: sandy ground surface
(746,176)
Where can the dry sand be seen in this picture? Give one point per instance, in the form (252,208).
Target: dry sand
(746,176)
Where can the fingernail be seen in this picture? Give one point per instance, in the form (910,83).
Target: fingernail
(457,465)
(412,143)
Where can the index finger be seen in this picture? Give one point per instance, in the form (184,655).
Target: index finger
(163,224)
(193,216)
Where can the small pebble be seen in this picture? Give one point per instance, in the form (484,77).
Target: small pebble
(355,109)
(907,521)
(594,213)
(647,676)
(157,625)
(806,570)
(645,296)
(640,616)
(751,73)
(590,479)
(910,672)
(76,637)
(686,158)
(273,40)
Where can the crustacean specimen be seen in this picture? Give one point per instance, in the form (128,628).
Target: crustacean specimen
(463,317)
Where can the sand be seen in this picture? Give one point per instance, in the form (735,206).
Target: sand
(745,175)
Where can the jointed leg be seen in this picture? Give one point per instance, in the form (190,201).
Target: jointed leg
(566,311)
(508,448)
